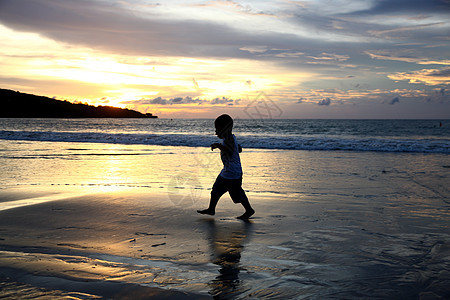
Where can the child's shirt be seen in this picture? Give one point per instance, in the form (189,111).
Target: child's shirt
(232,168)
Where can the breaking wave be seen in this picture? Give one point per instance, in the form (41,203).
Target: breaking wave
(259,141)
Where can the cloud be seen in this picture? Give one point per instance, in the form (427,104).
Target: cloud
(417,6)
(114,28)
(421,21)
(183,100)
(406,56)
(110,27)
(290,54)
(438,96)
(234,6)
(330,56)
(254,49)
(223,100)
(324,102)
(394,101)
(414,32)
(425,76)
(434,62)
(301,32)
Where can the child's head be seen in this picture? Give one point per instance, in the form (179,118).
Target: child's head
(224,125)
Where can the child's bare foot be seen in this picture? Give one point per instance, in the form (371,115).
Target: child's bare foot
(246,215)
(206,212)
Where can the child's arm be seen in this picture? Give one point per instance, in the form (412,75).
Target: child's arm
(227,146)
(224,148)
(240,148)
(219,146)
(216,145)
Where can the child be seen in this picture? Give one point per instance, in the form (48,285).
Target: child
(230,178)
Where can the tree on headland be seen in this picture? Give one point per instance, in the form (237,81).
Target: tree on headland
(20,105)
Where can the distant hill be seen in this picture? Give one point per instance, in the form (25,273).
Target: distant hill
(20,105)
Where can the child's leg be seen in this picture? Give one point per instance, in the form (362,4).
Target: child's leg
(215,196)
(238,195)
(218,189)
(246,204)
(249,211)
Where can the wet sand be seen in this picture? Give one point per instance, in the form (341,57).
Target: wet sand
(136,245)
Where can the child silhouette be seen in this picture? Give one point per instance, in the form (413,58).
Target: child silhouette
(230,178)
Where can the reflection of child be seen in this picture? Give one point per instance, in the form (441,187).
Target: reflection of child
(230,178)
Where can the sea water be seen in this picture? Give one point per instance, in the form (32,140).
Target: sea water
(421,136)
(288,157)
(175,154)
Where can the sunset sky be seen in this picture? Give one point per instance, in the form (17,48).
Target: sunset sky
(192,59)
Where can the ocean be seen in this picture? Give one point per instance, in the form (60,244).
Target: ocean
(154,153)
(421,136)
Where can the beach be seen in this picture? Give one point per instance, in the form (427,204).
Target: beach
(122,123)
(95,220)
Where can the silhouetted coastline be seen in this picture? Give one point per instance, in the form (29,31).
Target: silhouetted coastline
(21,105)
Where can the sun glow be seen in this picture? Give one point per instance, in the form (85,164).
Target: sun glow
(123,76)
(100,78)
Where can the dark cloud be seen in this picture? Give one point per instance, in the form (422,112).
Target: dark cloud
(351,24)
(440,73)
(407,6)
(419,10)
(110,27)
(157,100)
(106,26)
(439,96)
(183,100)
(394,101)
(223,100)
(177,100)
(324,102)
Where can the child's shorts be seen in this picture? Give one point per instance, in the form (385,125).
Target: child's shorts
(232,186)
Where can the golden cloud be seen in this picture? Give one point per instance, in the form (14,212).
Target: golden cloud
(425,76)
